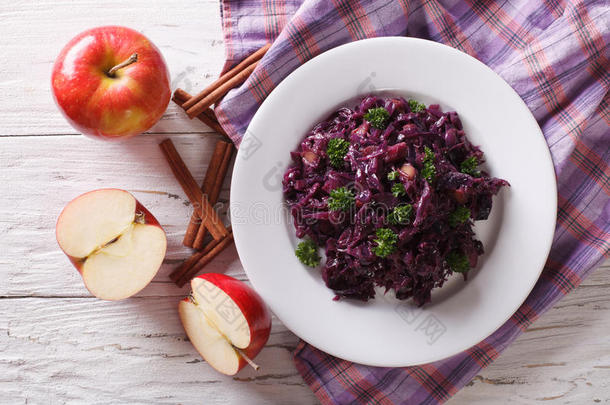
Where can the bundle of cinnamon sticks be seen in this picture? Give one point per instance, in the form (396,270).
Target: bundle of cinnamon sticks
(205,219)
(233,78)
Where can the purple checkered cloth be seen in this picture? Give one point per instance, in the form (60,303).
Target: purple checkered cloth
(554,53)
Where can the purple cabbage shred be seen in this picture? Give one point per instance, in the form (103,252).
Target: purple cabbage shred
(420,261)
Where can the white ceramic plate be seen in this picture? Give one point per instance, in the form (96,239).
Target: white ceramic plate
(517,237)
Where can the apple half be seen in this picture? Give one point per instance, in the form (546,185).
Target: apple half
(115,243)
(226,321)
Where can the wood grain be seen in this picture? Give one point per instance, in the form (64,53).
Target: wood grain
(562,358)
(83,350)
(58,345)
(47,172)
(188,35)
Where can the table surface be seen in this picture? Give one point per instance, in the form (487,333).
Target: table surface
(60,345)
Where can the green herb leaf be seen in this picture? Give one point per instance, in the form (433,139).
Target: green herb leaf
(428,171)
(469,166)
(336,150)
(341,199)
(393,175)
(400,214)
(416,106)
(459,216)
(378,117)
(307,252)
(386,242)
(458,262)
(398,189)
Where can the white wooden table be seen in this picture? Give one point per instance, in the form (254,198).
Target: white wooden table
(59,345)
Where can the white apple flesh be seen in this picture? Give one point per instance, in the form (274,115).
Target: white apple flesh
(226,321)
(113,241)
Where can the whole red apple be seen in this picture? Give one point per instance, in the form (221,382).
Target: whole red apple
(111,83)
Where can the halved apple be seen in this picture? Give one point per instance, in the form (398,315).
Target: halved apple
(226,321)
(115,243)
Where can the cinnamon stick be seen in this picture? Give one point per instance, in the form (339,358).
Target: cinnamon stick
(215,187)
(211,115)
(218,93)
(191,230)
(181,270)
(217,171)
(256,56)
(207,116)
(199,260)
(206,188)
(206,212)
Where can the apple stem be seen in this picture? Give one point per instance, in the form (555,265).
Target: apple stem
(133,58)
(248,359)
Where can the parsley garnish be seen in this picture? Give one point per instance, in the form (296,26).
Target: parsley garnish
(307,252)
(393,175)
(469,166)
(416,106)
(398,189)
(336,150)
(428,172)
(341,199)
(458,262)
(386,242)
(377,117)
(459,216)
(400,214)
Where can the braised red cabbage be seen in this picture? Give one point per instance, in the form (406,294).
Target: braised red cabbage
(418,157)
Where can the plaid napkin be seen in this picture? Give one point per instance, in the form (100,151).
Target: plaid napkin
(553,53)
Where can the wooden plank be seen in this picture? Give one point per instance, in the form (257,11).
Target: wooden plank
(562,358)
(135,351)
(39,175)
(33,34)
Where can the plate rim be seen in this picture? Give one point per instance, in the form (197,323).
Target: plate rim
(548,163)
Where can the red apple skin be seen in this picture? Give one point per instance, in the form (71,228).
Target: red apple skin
(149,219)
(252,306)
(104,107)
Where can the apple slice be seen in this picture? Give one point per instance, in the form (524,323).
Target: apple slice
(226,321)
(113,241)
